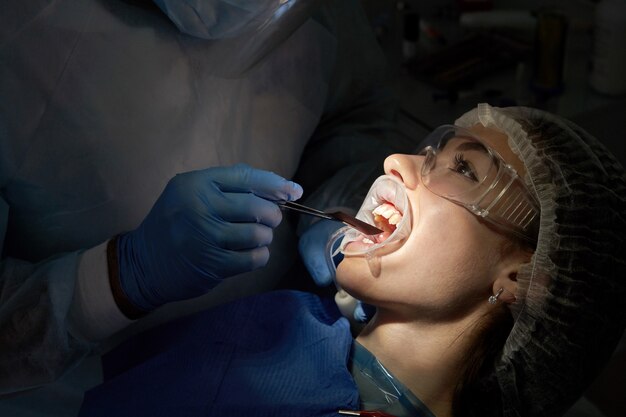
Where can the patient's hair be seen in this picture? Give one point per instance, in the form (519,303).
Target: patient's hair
(489,333)
(471,395)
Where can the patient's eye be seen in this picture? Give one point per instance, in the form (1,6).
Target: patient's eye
(461,166)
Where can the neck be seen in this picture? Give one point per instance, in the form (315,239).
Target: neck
(427,357)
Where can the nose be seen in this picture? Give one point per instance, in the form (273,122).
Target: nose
(404,167)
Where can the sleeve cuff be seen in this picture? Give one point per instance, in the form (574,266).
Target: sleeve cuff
(94,313)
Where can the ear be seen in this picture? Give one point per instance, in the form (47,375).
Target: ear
(506,274)
(507,279)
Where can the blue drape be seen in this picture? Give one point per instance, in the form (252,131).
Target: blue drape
(283,353)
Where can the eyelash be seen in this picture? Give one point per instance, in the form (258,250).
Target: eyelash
(460,165)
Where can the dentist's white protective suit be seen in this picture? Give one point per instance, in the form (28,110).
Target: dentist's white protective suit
(103,101)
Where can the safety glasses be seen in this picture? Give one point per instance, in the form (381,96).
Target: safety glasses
(461,168)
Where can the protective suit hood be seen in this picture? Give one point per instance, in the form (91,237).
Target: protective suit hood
(247,29)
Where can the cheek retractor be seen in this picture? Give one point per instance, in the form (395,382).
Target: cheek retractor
(386,206)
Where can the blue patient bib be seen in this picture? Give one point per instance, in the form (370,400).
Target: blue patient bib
(283,353)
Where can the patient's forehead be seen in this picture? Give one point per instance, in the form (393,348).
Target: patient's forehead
(498,141)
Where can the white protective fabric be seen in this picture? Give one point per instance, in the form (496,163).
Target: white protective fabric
(103,101)
(247,29)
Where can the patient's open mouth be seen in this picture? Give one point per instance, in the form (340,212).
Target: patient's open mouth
(386,217)
(386,206)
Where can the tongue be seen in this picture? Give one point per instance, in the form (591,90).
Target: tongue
(382,237)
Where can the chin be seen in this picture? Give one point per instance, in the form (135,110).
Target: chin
(353,273)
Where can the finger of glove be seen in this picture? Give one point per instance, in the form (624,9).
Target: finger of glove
(246,207)
(312,248)
(237,262)
(363,312)
(243,178)
(239,236)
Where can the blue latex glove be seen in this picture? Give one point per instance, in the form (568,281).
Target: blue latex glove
(313,250)
(206,225)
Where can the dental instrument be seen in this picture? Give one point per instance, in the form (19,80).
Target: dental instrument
(359,225)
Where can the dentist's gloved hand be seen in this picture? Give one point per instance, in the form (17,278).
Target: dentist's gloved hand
(206,226)
(313,250)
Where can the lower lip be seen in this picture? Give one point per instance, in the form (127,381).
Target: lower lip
(357,246)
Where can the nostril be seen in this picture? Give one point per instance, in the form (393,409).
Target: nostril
(396,174)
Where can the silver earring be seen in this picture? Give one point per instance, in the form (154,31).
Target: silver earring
(494,298)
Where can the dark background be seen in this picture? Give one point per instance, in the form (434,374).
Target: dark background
(501,63)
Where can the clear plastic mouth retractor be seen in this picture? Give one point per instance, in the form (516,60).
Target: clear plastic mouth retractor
(386,189)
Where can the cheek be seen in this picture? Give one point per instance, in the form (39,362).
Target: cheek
(439,236)
(447,252)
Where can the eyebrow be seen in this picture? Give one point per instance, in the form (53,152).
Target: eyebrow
(471,145)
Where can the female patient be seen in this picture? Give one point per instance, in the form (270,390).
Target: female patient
(498,281)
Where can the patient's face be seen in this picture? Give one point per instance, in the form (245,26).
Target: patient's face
(449,261)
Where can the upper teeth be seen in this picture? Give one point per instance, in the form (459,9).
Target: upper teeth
(389,212)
